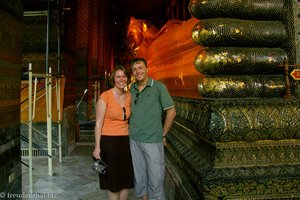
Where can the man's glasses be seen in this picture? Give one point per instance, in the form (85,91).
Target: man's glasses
(136,98)
(124,113)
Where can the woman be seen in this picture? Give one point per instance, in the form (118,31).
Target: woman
(111,136)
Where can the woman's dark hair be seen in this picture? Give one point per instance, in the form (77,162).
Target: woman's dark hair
(113,73)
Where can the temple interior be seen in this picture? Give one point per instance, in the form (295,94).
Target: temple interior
(232,68)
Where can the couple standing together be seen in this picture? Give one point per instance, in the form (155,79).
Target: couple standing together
(130,135)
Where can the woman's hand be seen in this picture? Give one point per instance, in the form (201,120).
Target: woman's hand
(96,153)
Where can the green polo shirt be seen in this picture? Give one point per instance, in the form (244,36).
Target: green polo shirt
(145,123)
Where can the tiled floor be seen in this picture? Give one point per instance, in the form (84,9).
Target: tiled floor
(73,179)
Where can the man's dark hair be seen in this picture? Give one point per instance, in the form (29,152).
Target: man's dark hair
(137,60)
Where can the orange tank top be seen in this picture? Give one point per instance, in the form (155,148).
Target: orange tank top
(114,123)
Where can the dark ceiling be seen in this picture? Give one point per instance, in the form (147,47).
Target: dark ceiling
(152,10)
(142,7)
(155,11)
(137,8)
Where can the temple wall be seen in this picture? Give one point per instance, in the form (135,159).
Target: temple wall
(10,73)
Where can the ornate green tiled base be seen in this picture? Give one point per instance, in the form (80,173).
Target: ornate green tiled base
(270,188)
(236,149)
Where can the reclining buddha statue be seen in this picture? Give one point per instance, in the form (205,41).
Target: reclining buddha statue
(169,52)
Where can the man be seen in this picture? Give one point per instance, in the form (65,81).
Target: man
(149,98)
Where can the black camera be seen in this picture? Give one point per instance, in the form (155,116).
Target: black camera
(100,167)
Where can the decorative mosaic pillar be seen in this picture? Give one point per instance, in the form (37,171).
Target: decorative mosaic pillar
(241,140)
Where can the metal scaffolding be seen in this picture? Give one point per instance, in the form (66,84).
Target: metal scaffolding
(31,114)
(48,76)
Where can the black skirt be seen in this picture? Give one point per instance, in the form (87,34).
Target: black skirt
(115,152)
